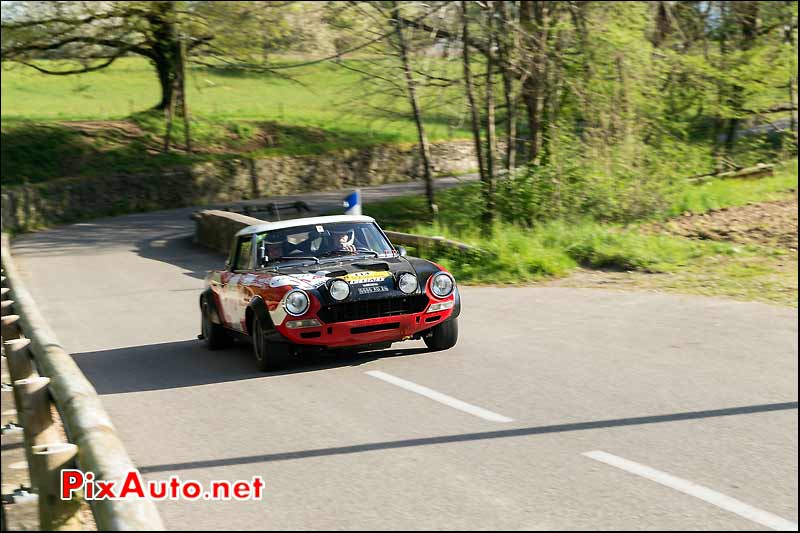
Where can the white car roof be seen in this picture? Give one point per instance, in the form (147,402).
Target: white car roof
(269,226)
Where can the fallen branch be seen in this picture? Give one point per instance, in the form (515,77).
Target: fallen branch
(759,171)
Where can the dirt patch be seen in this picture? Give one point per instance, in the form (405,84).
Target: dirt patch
(226,139)
(769,276)
(767,279)
(770,224)
(114,128)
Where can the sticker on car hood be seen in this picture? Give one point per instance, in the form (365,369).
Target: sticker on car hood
(360,278)
(301,281)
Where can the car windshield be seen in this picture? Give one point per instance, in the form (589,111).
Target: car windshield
(321,241)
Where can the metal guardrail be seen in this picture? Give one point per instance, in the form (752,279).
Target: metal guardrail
(93,446)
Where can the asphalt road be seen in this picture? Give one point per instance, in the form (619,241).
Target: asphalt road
(676,389)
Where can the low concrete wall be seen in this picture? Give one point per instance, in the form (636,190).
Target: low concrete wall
(424,242)
(72,199)
(216,229)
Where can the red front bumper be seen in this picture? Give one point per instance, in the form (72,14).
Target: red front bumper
(369,331)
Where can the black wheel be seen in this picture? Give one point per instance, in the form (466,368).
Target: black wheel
(215,335)
(443,336)
(269,355)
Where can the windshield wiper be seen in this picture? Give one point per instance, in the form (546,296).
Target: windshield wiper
(293,258)
(346,252)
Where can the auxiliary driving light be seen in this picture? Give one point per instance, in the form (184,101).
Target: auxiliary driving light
(407,283)
(339,289)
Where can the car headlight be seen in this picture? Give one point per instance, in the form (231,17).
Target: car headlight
(339,289)
(296,302)
(441,285)
(407,283)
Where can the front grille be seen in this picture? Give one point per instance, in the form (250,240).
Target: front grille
(364,309)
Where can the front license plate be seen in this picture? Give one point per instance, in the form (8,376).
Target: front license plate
(373,289)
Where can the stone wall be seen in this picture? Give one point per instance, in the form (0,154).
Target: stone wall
(73,199)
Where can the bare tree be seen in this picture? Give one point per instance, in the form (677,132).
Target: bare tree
(469,87)
(491,136)
(508,37)
(411,86)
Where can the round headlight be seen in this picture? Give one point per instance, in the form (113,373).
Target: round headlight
(339,289)
(441,285)
(407,283)
(296,303)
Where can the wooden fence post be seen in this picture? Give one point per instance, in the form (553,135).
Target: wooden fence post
(55,514)
(33,405)
(10,329)
(19,361)
(34,395)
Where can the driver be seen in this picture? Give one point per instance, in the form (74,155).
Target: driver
(344,241)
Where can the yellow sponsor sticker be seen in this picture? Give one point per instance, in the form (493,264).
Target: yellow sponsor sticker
(366,277)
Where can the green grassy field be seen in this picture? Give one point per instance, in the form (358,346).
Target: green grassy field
(325,96)
(731,193)
(50,129)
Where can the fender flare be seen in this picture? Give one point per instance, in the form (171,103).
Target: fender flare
(456,307)
(208,296)
(261,313)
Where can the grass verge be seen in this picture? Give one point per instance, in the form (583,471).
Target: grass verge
(458,206)
(610,255)
(717,194)
(512,254)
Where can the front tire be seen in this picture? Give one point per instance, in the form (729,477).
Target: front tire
(269,355)
(442,337)
(215,335)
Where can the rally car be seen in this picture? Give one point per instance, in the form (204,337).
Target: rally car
(325,283)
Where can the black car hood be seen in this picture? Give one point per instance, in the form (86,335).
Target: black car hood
(344,266)
(369,277)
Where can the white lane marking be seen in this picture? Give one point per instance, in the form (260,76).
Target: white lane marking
(439,397)
(698,491)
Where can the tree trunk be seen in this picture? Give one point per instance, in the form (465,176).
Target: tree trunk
(165,72)
(746,13)
(533,18)
(551,104)
(182,102)
(411,86)
(507,44)
(719,120)
(788,39)
(166,49)
(579,20)
(489,183)
(470,89)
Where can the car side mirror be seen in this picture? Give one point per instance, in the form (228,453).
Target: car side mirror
(401,250)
